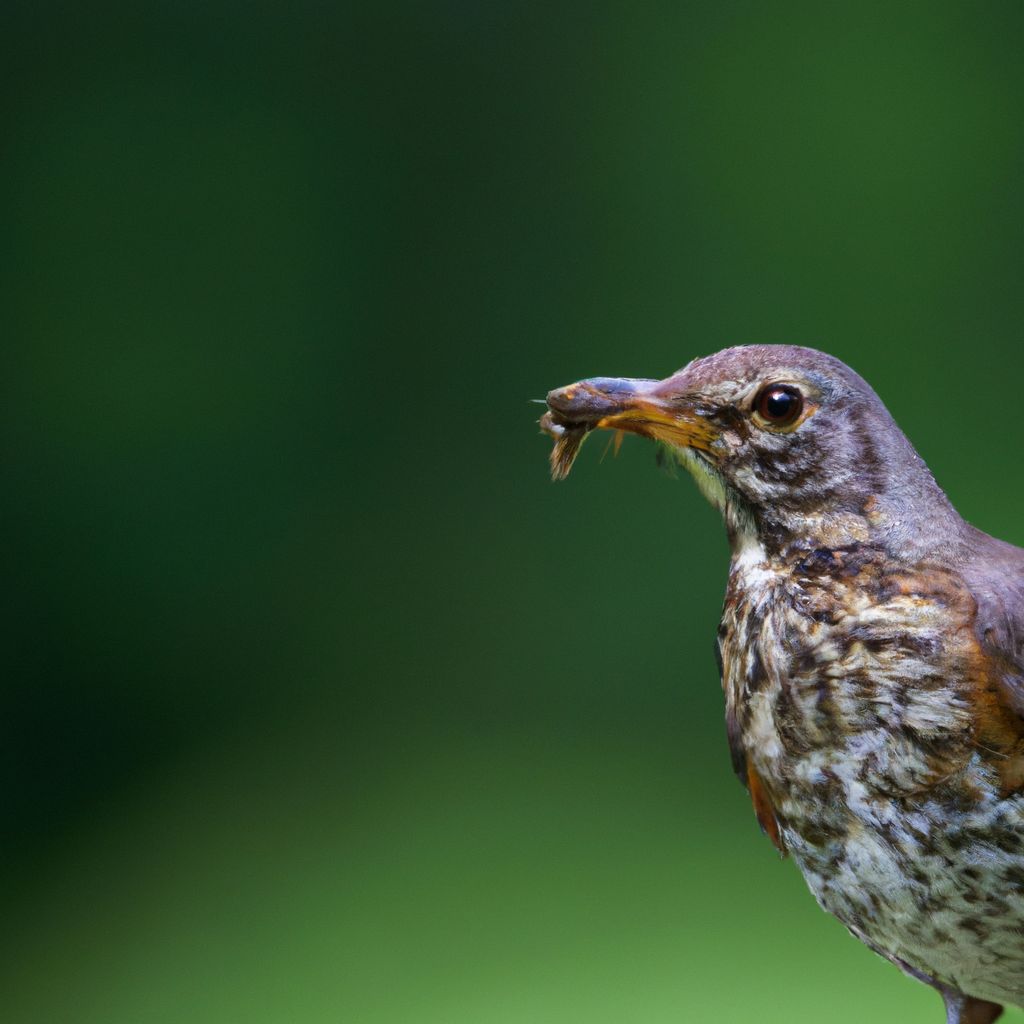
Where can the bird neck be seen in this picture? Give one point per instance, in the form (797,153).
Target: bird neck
(899,509)
(907,527)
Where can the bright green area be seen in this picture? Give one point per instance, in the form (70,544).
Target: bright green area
(324,704)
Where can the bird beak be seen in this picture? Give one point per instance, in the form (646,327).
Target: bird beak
(649,408)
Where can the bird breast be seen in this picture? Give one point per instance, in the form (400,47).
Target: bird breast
(855,693)
(841,672)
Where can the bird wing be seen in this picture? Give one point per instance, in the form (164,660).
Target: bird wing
(764,809)
(994,573)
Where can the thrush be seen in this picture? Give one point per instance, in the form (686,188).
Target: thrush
(871,651)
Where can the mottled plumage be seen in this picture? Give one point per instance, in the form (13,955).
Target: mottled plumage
(872,656)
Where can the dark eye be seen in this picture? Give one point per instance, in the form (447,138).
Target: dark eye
(779,404)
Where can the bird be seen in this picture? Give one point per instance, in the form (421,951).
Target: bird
(870,650)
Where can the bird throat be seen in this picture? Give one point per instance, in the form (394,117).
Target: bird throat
(737,513)
(749,529)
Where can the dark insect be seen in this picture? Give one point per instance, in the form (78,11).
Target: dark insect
(568,438)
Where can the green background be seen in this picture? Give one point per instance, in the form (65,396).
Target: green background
(323,703)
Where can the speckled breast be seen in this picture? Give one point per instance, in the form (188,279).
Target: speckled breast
(852,692)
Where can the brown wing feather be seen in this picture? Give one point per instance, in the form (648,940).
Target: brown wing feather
(994,573)
(733,732)
(764,809)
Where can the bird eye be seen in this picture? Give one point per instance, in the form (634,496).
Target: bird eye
(779,405)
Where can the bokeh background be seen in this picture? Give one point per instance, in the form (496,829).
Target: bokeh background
(323,704)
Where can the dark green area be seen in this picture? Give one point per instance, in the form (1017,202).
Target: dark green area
(323,703)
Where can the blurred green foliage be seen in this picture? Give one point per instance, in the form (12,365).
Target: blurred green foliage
(324,703)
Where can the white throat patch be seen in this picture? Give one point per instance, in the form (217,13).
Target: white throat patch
(737,515)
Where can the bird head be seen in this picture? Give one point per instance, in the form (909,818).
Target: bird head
(786,441)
